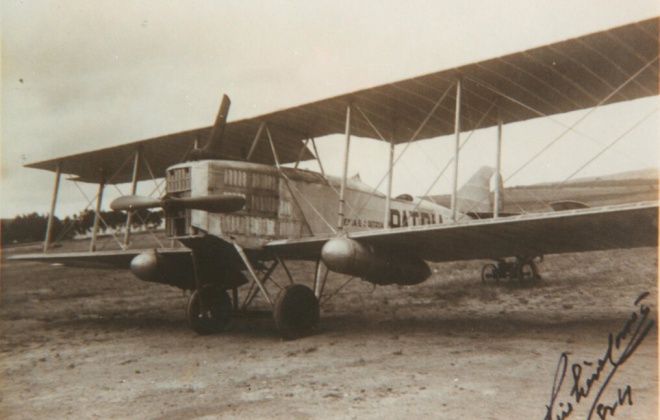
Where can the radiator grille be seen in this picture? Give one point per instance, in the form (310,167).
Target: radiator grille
(178,180)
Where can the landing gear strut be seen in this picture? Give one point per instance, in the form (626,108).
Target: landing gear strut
(296,308)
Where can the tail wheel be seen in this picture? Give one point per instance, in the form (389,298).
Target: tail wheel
(218,311)
(526,273)
(489,274)
(296,311)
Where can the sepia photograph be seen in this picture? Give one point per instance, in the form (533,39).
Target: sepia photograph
(330,209)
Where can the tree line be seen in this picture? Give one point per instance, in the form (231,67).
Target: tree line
(32,227)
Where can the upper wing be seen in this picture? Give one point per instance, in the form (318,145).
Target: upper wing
(165,151)
(592,229)
(103,259)
(615,65)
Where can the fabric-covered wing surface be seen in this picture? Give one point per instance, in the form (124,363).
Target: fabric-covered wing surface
(103,259)
(622,226)
(115,163)
(611,66)
(619,64)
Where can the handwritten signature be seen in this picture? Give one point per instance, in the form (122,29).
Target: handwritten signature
(598,374)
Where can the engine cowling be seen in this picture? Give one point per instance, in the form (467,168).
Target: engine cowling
(382,267)
(146,266)
(156,268)
(178,270)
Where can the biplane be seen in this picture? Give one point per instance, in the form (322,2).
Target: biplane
(241,206)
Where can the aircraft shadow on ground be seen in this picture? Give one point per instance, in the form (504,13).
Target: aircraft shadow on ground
(351,324)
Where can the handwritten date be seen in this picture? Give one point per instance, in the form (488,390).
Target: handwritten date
(587,381)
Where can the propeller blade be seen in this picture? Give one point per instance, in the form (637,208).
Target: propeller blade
(217,134)
(135,202)
(212,204)
(213,149)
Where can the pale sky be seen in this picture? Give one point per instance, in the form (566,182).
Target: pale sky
(79,75)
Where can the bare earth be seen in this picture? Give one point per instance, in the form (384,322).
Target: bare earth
(81,343)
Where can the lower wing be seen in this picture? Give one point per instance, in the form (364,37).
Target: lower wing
(578,230)
(102,259)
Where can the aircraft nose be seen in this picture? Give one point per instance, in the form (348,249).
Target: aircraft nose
(345,255)
(337,252)
(145,266)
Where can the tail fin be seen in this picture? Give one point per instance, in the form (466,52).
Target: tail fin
(474,196)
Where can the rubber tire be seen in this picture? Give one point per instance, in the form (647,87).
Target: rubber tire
(219,314)
(296,312)
(488,273)
(526,273)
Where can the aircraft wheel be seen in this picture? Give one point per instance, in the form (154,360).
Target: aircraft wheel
(218,313)
(296,311)
(489,274)
(526,273)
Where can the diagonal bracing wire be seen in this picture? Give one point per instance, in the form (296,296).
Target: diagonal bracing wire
(615,141)
(607,147)
(408,143)
(572,126)
(426,194)
(290,185)
(568,128)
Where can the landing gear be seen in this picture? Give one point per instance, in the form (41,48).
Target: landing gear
(216,315)
(296,311)
(296,308)
(490,274)
(527,273)
(522,269)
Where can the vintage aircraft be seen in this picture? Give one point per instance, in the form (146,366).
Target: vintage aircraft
(240,212)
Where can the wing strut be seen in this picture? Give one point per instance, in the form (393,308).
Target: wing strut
(129,215)
(97,215)
(342,192)
(457,131)
(318,158)
(53,202)
(255,142)
(272,148)
(288,185)
(253,273)
(300,154)
(388,197)
(408,143)
(497,199)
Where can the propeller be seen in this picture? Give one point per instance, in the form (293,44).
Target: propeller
(213,149)
(212,204)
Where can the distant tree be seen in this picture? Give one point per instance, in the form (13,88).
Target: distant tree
(7,231)
(85,221)
(32,227)
(151,219)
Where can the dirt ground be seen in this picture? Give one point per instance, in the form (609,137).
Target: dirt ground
(79,343)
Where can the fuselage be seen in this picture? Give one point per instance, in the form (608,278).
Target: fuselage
(286,203)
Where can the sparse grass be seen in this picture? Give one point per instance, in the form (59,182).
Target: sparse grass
(70,332)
